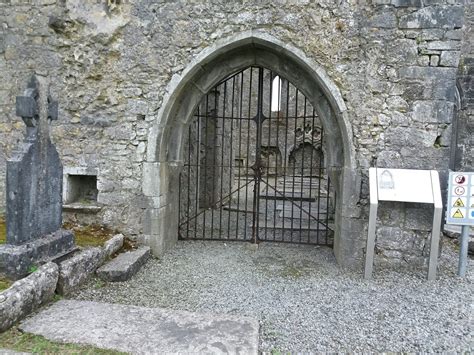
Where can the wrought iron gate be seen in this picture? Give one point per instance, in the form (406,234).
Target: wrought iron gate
(255,165)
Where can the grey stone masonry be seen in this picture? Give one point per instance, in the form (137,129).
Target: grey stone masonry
(124,266)
(34,188)
(391,81)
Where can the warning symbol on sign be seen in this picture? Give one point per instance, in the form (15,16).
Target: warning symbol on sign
(460,179)
(458,203)
(457,213)
(459,190)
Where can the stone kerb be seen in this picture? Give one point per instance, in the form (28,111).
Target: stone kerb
(61,277)
(27,295)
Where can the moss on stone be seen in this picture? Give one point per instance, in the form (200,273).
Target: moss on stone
(3,230)
(89,235)
(4,283)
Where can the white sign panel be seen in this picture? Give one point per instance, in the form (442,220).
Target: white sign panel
(460,209)
(404,185)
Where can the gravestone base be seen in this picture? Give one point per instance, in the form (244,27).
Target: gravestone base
(16,261)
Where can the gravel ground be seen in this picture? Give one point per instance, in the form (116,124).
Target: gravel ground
(303,301)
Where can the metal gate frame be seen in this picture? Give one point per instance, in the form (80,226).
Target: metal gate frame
(191,213)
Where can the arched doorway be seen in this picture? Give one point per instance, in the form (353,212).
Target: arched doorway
(253,165)
(166,146)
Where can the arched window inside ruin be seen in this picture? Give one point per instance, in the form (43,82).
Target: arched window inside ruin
(276,94)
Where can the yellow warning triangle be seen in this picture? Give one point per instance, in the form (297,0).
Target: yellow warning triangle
(458,203)
(458,214)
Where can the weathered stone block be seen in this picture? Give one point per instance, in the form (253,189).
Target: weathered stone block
(443,45)
(74,271)
(434,60)
(407,3)
(125,265)
(397,239)
(385,19)
(427,73)
(450,59)
(17,260)
(434,17)
(432,111)
(419,218)
(113,245)
(27,294)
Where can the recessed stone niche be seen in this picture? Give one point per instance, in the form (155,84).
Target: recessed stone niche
(80,189)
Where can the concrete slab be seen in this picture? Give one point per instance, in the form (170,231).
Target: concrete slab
(140,330)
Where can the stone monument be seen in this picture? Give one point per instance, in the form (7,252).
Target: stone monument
(34,189)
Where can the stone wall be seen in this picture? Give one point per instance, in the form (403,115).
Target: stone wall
(395,63)
(464,142)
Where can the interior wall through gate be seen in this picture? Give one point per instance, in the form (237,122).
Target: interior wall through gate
(166,153)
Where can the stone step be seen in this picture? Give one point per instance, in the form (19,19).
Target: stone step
(125,265)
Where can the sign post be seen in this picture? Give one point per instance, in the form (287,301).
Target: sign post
(404,185)
(460,210)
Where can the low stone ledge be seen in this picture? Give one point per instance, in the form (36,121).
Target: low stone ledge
(92,209)
(113,245)
(74,271)
(27,294)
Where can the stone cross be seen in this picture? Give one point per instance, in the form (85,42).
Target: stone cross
(34,188)
(28,106)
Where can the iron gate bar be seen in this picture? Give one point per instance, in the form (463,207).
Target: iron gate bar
(277,139)
(248,148)
(302,158)
(198,157)
(268,144)
(286,139)
(295,165)
(311,171)
(240,143)
(231,151)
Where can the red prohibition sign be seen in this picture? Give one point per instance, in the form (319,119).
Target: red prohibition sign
(460,179)
(459,190)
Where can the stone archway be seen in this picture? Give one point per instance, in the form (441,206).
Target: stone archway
(165,155)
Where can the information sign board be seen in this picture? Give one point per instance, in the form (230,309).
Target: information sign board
(404,185)
(460,209)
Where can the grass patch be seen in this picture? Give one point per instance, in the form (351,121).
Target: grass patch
(89,235)
(3,230)
(16,340)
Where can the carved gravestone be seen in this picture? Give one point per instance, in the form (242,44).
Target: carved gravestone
(34,189)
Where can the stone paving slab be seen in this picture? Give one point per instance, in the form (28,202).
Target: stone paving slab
(125,265)
(140,330)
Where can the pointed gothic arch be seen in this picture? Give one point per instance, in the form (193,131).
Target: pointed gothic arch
(165,144)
